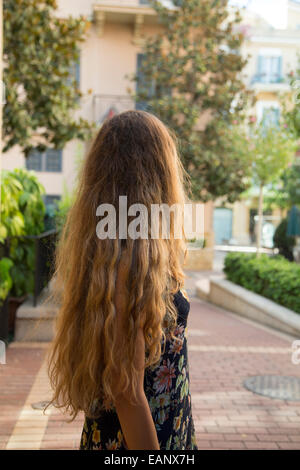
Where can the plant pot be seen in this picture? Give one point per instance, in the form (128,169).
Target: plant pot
(13,305)
(4,315)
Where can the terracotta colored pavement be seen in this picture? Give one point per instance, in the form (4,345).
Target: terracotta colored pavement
(224,349)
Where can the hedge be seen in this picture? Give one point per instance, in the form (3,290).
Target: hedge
(273,277)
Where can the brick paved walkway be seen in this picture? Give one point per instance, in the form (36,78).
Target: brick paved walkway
(224,349)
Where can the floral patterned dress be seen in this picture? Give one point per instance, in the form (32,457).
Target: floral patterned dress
(166,387)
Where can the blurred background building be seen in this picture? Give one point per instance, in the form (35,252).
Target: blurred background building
(273,55)
(112,51)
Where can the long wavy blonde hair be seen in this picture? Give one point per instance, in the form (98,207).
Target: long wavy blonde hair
(136,155)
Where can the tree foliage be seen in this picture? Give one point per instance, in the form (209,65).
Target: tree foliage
(191,78)
(285,192)
(293,115)
(5,278)
(40,50)
(273,148)
(22,214)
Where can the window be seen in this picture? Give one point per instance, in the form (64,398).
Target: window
(50,199)
(34,161)
(50,160)
(268,112)
(53,160)
(269,66)
(75,73)
(269,69)
(270,117)
(148,89)
(141,85)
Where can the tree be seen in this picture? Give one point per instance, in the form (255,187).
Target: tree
(293,115)
(40,50)
(190,77)
(273,147)
(285,192)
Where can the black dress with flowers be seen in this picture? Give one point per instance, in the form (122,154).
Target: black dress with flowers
(167,390)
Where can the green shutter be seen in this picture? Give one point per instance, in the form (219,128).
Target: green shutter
(260,68)
(279,68)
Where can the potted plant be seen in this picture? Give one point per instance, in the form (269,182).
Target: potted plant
(22,216)
(5,286)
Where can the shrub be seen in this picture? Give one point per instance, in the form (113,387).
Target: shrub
(273,277)
(11,218)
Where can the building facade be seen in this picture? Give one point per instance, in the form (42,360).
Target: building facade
(273,55)
(112,53)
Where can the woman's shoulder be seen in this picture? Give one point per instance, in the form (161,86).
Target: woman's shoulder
(182,303)
(184,293)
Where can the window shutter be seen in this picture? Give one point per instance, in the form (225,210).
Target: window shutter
(260,67)
(54,160)
(34,161)
(74,74)
(77,73)
(279,68)
(141,85)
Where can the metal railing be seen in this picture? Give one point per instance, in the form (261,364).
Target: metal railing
(44,257)
(108,105)
(268,78)
(44,248)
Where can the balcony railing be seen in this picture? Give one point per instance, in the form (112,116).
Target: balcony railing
(268,79)
(107,105)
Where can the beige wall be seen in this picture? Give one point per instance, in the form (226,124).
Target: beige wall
(104,62)
(294,15)
(241,220)
(110,53)
(54,183)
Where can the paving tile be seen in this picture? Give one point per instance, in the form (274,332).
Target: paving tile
(224,349)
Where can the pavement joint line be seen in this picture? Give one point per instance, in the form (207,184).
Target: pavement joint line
(238,349)
(220,408)
(212,395)
(197,332)
(268,329)
(23,437)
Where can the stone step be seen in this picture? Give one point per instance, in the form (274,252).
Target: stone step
(36,324)
(202,289)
